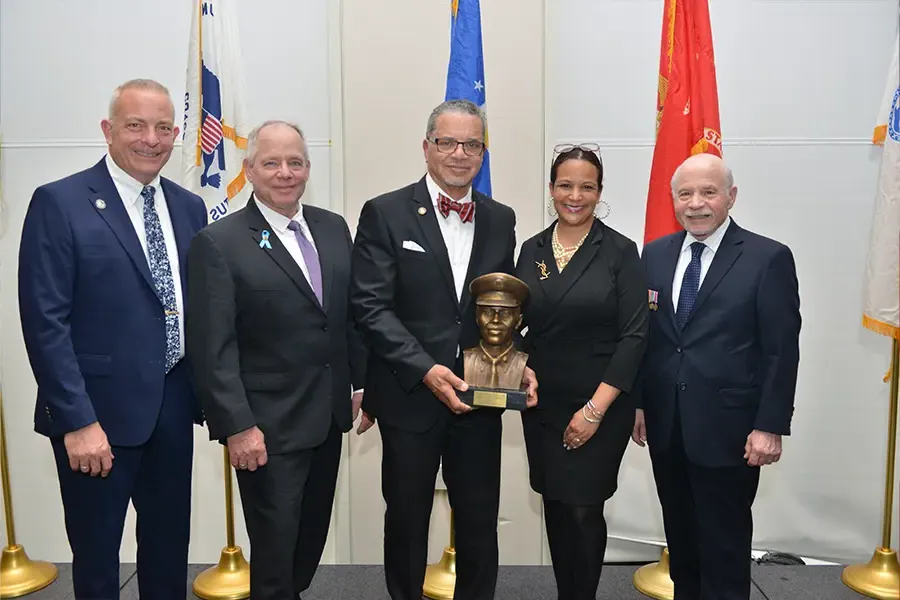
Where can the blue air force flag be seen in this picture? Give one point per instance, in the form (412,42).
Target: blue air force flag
(215,117)
(465,73)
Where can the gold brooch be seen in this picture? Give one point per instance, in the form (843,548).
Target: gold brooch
(542,267)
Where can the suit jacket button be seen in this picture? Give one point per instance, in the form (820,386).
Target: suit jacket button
(324,327)
(682,386)
(458,320)
(678,350)
(327,365)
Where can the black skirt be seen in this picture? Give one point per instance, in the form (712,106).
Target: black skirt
(587,475)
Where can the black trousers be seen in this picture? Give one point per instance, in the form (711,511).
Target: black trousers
(708,522)
(469,447)
(577,539)
(287,507)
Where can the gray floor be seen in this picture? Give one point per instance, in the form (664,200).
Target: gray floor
(344,582)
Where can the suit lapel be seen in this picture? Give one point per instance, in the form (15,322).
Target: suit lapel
(728,252)
(558,286)
(181,226)
(545,264)
(482,237)
(670,262)
(431,231)
(104,194)
(553,284)
(321,239)
(277,252)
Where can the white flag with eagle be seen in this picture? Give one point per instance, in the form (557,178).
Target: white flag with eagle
(215,117)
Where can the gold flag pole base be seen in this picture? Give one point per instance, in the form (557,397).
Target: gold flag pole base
(228,580)
(653,580)
(19,575)
(880,578)
(440,578)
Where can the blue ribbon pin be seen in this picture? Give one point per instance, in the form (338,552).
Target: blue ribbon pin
(264,243)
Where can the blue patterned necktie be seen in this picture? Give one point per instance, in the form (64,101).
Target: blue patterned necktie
(311,258)
(690,285)
(161,272)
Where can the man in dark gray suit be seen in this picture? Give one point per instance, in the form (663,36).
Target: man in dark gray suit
(274,354)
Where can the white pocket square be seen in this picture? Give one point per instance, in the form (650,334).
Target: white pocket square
(411,245)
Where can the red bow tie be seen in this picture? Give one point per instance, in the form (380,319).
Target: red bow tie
(466,210)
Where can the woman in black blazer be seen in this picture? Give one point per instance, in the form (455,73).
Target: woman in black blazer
(587,325)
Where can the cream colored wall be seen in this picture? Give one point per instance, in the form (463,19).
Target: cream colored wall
(394,72)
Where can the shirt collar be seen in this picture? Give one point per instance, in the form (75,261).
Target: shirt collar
(126,182)
(434,189)
(277,220)
(712,242)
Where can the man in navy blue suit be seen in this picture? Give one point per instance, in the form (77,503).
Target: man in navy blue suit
(101,296)
(718,379)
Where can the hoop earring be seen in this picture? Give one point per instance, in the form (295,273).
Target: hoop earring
(551,210)
(607,210)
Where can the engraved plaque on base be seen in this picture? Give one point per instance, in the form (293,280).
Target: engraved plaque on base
(493,398)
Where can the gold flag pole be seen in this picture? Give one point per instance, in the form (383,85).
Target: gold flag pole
(230,579)
(880,578)
(440,578)
(19,575)
(653,580)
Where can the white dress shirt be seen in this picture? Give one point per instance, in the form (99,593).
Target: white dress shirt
(458,236)
(129,190)
(684,259)
(279,224)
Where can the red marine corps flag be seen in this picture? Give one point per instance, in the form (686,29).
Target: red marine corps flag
(687,118)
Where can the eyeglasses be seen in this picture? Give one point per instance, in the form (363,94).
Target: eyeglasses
(447,145)
(589,147)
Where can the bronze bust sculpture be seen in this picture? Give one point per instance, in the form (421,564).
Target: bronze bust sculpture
(495,363)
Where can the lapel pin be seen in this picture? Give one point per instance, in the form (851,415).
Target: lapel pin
(100,203)
(264,242)
(542,267)
(653,297)
(422,210)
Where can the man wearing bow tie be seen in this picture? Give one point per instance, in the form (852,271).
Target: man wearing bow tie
(417,249)
(718,378)
(274,352)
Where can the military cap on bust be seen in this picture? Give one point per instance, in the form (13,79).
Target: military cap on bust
(499,289)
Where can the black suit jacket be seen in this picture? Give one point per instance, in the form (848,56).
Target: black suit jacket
(405,301)
(586,325)
(733,368)
(264,352)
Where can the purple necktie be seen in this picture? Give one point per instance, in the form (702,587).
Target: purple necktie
(310,258)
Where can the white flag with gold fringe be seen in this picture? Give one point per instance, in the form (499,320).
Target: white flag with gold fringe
(881,304)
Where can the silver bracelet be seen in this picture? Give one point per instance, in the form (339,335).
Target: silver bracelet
(597,414)
(587,418)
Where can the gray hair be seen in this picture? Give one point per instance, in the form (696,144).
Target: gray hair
(464,107)
(138,84)
(253,138)
(729,178)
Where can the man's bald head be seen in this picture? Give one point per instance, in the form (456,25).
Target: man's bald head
(704,161)
(703,192)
